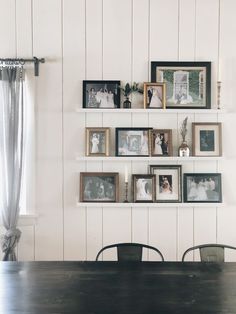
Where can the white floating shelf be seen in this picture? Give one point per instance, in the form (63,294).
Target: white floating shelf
(161,111)
(153,159)
(151,205)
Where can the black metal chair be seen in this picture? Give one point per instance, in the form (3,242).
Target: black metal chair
(129,252)
(210,252)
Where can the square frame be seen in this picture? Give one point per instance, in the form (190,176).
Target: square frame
(96,145)
(141,185)
(202,188)
(154,95)
(100,94)
(188,84)
(133,142)
(100,187)
(168,183)
(207,139)
(160,146)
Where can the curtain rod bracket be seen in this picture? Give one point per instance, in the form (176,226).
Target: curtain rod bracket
(21,61)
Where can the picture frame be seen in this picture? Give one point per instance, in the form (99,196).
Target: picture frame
(168,183)
(207,139)
(202,188)
(188,84)
(99,187)
(161,142)
(100,94)
(143,187)
(154,95)
(97,141)
(132,142)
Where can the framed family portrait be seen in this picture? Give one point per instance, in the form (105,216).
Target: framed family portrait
(207,139)
(143,188)
(132,141)
(161,142)
(168,183)
(202,187)
(154,95)
(99,187)
(188,84)
(97,141)
(101,94)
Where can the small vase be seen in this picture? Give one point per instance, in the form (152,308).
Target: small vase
(127,103)
(184,150)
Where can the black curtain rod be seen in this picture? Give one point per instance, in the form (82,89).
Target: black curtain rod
(22,61)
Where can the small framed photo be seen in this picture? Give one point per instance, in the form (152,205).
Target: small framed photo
(202,187)
(101,94)
(143,188)
(154,95)
(188,84)
(168,183)
(207,139)
(132,141)
(97,141)
(99,187)
(161,142)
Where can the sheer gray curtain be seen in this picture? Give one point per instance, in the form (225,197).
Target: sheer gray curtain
(11,155)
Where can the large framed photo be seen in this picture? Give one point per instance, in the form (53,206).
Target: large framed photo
(154,95)
(143,188)
(161,142)
(188,84)
(168,183)
(99,187)
(97,141)
(207,139)
(132,141)
(202,187)
(101,94)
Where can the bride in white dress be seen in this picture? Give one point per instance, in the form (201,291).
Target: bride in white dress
(156,101)
(157,147)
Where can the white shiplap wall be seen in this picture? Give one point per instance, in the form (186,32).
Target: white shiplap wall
(110,39)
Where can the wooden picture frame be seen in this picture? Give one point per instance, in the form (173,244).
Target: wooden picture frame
(97,141)
(188,84)
(161,142)
(207,139)
(154,95)
(143,187)
(99,187)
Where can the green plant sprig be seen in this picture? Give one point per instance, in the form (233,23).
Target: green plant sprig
(131,88)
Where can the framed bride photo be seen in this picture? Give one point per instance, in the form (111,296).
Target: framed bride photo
(154,95)
(161,142)
(97,141)
(144,190)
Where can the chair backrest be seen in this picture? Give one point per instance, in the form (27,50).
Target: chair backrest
(129,252)
(210,252)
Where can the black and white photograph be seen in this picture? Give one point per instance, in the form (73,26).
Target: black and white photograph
(143,188)
(132,141)
(188,84)
(97,141)
(202,187)
(168,182)
(101,94)
(99,186)
(161,142)
(207,139)
(154,95)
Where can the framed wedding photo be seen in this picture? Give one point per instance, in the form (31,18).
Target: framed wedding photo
(202,188)
(154,95)
(99,187)
(188,84)
(168,183)
(161,142)
(207,139)
(97,141)
(101,94)
(132,142)
(143,188)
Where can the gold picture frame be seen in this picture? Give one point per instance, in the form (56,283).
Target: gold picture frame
(161,142)
(97,141)
(154,95)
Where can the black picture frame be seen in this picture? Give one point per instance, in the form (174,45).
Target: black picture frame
(132,142)
(182,95)
(202,188)
(108,98)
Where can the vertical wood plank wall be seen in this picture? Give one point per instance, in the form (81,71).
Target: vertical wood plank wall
(110,39)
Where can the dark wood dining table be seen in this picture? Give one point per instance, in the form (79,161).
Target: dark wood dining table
(117,288)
